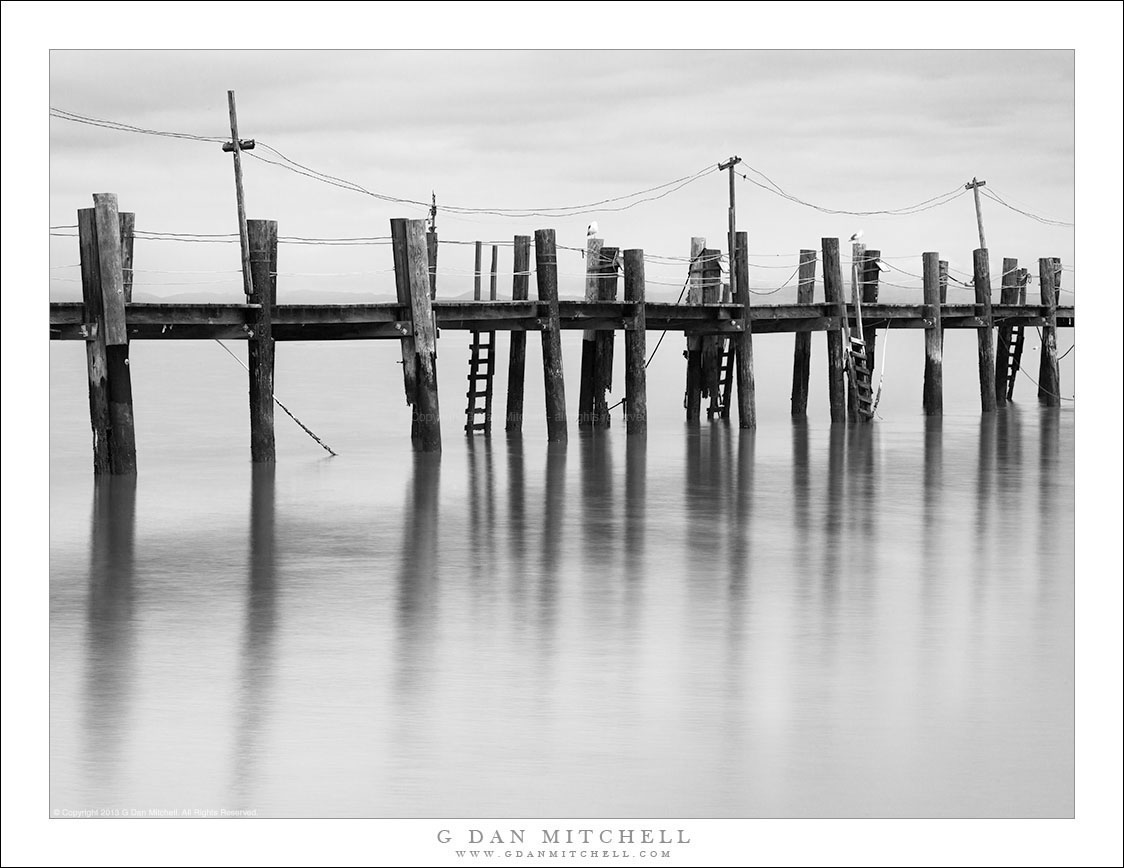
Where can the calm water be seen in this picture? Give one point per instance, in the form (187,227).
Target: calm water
(804,621)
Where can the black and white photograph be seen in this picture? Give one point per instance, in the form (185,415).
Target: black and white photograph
(643,446)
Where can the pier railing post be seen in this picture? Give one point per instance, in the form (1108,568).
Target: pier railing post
(635,347)
(933,390)
(546,273)
(747,389)
(411,265)
(802,350)
(104,293)
(1049,385)
(517,357)
(833,295)
(1008,294)
(603,342)
(263,270)
(981,279)
(586,390)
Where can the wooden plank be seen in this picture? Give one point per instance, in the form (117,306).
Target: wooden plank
(95,346)
(635,347)
(402,291)
(260,349)
(586,414)
(426,435)
(693,401)
(802,349)
(517,355)
(833,295)
(933,387)
(747,389)
(985,339)
(128,223)
(604,340)
(1008,294)
(1049,380)
(546,270)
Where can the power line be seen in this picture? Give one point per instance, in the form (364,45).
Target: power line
(995,197)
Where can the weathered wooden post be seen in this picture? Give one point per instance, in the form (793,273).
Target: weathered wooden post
(603,342)
(802,351)
(517,356)
(747,390)
(262,236)
(635,347)
(710,350)
(546,272)
(868,279)
(593,246)
(858,263)
(411,263)
(402,289)
(833,295)
(1004,349)
(107,349)
(933,391)
(1049,380)
(981,279)
(693,399)
(431,250)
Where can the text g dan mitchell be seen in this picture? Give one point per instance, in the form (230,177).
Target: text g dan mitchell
(565,836)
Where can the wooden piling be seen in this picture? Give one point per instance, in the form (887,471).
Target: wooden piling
(833,294)
(868,281)
(426,415)
(943,274)
(603,343)
(802,351)
(263,269)
(710,348)
(858,263)
(747,390)
(985,339)
(635,347)
(1008,294)
(1049,380)
(517,356)
(431,249)
(546,273)
(933,390)
(402,289)
(95,339)
(693,399)
(593,246)
(128,222)
(120,437)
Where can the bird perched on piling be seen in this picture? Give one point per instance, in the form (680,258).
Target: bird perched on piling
(590,232)
(857,236)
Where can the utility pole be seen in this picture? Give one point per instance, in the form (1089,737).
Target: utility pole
(237,146)
(729,164)
(974,186)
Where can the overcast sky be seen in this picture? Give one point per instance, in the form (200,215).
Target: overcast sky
(847,130)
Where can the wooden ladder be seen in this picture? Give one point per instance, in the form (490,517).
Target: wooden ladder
(481,369)
(1014,359)
(727,359)
(861,378)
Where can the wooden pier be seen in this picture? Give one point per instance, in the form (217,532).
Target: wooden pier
(720,333)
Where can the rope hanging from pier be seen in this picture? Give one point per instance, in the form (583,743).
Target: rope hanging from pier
(288,412)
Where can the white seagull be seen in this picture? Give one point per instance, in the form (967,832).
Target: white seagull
(591,230)
(857,235)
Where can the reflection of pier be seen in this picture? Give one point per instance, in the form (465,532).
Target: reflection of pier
(110,632)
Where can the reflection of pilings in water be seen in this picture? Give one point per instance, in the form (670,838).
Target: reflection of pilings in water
(1008,452)
(599,542)
(931,520)
(516,517)
(704,485)
(417,569)
(635,530)
(741,514)
(985,472)
(481,507)
(258,639)
(862,504)
(801,479)
(834,550)
(110,639)
(1047,496)
(554,513)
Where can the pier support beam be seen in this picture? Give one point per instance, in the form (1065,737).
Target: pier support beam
(833,294)
(635,347)
(802,351)
(411,263)
(981,279)
(586,390)
(103,261)
(263,269)
(1049,381)
(1004,349)
(603,342)
(747,390)
(517,356)
(693,399)
(546,272)
(933,390)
